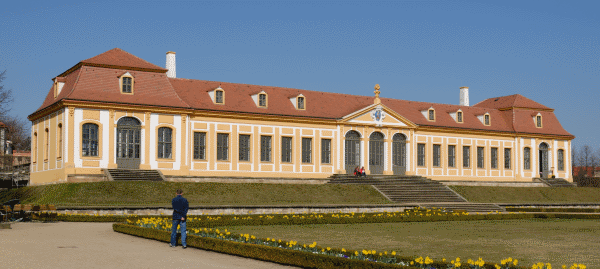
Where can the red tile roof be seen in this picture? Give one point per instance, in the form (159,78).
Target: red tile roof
(515,100)
(95,83)
(117,58)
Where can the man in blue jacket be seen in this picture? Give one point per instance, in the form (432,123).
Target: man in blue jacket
(180,209)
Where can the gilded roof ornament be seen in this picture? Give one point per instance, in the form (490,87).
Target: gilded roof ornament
(377,101)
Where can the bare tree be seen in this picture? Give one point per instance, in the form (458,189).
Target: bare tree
(17,132)
(6,97)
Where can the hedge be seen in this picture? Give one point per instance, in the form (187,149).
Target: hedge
(279,255)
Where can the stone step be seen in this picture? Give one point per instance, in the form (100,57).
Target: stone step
(469,207)
(134,174)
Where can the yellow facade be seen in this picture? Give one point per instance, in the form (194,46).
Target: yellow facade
(185,123)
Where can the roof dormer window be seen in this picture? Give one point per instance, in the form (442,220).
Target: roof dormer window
(59,82)
(538,120)
(431,114)
(457,116)
(299,101)
(486,119)
(126,83)
(219,96)
(261,99)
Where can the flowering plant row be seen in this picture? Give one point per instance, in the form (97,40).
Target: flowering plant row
(373,256)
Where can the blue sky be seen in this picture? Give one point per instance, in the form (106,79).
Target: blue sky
(548,51)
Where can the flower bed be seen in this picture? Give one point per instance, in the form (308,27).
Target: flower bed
(560,209)
(306,256)
(313,255)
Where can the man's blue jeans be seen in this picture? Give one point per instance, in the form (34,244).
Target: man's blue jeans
(182,228)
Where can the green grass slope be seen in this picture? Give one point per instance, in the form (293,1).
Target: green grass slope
(140,193)
(481,194)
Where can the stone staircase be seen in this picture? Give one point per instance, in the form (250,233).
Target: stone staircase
(467,207)
(404,189)
(133,174)
(556,182)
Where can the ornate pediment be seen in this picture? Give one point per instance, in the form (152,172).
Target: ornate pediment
(378,115)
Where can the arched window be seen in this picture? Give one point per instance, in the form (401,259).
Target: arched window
(459,116)
(164,142)
(561,160)
(46,143)
(486,119)
(89,140)
(34,148)
(431,114)
(60,142)
(219,96)
(262,100)
(301,102)
(527,158)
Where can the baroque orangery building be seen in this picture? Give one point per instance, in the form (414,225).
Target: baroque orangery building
(116,110)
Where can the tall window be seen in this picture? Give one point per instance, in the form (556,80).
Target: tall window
(165,136)
(507,154)
(219,96)
(561,160)
(486,119)
(265,148)
(527,158)
(325,150)
(421,154)
(222,147)
(538,121)
(459,116)
(286,149)
(451,155)
(46,143)
(34,148)
(300,102)
(466,156)
(127,83)
(431,114)
(436,155)
(199,145)
(262,99)
(306,150)
(89,140)
(494,158)
(480,159)
(60,142)
(244,147)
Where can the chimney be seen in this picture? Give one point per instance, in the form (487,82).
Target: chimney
(464,96)
(170,64)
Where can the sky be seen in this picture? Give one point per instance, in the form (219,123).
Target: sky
(548,51)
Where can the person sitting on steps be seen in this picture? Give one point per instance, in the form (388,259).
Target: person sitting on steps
(356,172)
(362,172)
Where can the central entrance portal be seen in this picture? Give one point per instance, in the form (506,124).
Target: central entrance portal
(128,143)
(399,154)
(376,159)
(352,151)
(544,171)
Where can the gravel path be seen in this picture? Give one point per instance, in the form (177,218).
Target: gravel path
(96,245)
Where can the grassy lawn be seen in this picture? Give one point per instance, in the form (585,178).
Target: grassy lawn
(481,194)
(536,240)
(160,194)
